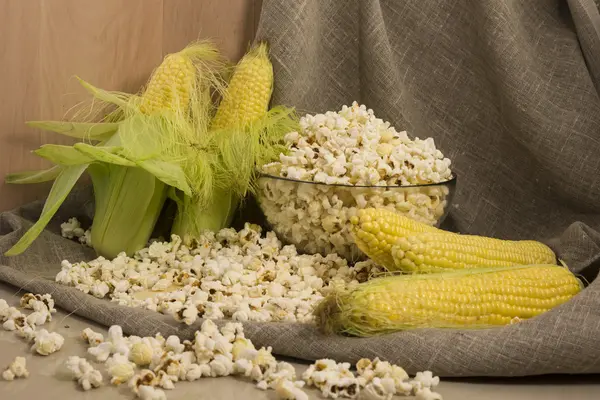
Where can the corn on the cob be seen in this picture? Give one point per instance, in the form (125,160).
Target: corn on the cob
(170,86)
(243,110)
(377,230)
(249,91)
(440,251)
(400,243)
(474,298)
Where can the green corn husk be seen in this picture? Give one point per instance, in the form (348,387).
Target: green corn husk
(242,143)
(192,219)
(132,167)
(124,194)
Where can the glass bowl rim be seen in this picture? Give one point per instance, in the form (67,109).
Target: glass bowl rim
(450,181)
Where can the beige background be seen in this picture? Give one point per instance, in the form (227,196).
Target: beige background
(113,44)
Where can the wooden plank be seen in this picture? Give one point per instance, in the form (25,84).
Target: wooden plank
(113,44)
(20,88)
(229,23)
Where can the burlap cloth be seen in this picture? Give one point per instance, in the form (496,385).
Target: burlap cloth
(508,89)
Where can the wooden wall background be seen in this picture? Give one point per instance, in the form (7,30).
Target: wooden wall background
(113,44)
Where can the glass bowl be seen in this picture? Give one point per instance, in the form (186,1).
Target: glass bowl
(315,217)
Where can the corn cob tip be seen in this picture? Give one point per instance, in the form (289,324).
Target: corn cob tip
(260,49)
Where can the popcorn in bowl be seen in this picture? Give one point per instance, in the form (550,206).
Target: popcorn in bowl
(343,161)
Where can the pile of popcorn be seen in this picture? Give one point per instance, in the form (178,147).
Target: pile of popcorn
(243,276)
(365,162)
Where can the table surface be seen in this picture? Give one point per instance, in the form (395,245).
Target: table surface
(49,379)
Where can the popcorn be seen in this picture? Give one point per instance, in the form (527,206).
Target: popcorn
(81,370)
(102,351)
(71,229)
(151,393)
(221,366)
(27,332)
(46,343)
(379,389)
(427,394)
(141,354)
(375,166)
(115,343)
(120,369)
(165,380)
(16,369)
(91,337)
(174,344)
(332,379)
(16,321)
(196,371)
(225,351)
(425,380)
(243,276)
(288,390)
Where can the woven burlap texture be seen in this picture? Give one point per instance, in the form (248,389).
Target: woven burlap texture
(508,90)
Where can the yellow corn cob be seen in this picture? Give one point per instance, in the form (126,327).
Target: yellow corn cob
(377,230)
(398,242)
(249,91)
(170,86)
(439,251)
(475,298)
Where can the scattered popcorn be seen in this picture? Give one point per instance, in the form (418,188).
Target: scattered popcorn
(16,369)
(174,344)
(427,394)
(144,378)
(27,300)
(72,230)
(243,276)
(165,380)
(16,321)
(332,379)
(81,370)
(46,343)
(151,393)
(141,354)
(27,332)
(375,165)
(221,366)
(225,351)
(369,370)
(101,352)
(91,337)
(378,389)
(37,302)
(425,380)
(120,369)
(288,390)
